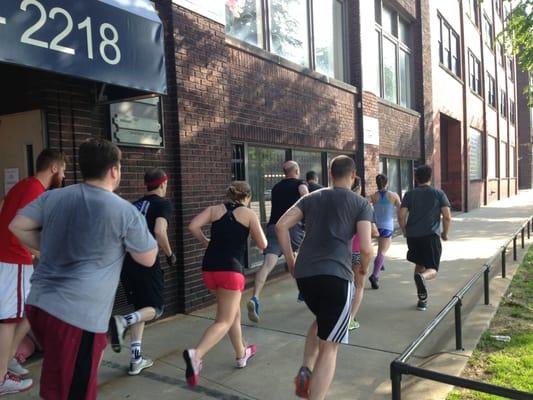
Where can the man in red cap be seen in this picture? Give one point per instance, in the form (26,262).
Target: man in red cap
(144,286)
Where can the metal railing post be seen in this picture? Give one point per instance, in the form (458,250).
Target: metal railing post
(522,237)
(486,284)
(396,383)
(528,228)
(504,272)
(458,326)
(514,248)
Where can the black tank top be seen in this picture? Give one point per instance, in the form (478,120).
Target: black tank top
(227,248)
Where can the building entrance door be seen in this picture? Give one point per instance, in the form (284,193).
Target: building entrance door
(21,141)
(451,164)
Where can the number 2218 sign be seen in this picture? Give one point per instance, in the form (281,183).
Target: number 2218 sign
(89,38)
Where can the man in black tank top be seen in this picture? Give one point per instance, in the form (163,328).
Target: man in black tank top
(144,286)
(284,194)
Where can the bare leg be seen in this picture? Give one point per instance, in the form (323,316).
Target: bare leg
(137,329)
(427,273)
(21,330)
(261,276)
(235,335)
(324,370)
(228,304)
(359,275)
(311,347)
(7,334)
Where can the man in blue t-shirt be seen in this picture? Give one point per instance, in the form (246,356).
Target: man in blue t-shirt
(419,218)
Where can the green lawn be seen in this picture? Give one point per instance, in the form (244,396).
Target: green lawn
(500,363)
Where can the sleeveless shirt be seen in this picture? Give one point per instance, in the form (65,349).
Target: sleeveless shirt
(384,211)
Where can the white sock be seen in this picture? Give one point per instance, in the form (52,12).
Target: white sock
(136,351)
(132,318)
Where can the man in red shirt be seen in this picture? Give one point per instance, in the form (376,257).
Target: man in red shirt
(16,268)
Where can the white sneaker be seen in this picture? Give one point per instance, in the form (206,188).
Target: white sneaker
(13,384)
(137,366)
(15,368)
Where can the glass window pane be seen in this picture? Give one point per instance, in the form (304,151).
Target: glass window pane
(309,161)
(264,171)
(288,30)
(378,75)
(243,21)
(389,70)
(328,33)
(475,155)
(404,34)
(405,79)
(406,174)
(387,20)
(393,173)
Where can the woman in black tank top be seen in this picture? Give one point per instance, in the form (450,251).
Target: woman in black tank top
(222,271)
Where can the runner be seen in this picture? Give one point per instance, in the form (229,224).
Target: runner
(144,286)
(284,194)
(222,271)
(323,269)
(385,204)
(83,232)
(312,181)
(16,268)
(425,205)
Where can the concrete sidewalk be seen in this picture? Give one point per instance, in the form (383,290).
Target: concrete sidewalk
(388,317)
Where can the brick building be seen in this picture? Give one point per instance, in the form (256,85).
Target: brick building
(251,83)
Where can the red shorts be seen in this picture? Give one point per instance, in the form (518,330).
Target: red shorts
(71,357)
(228,280)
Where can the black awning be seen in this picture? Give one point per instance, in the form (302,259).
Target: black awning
(118,42)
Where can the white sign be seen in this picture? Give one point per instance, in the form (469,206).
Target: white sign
(371,130)
(11,177)
(212,9)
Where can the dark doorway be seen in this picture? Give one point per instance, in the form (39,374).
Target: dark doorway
(451,165)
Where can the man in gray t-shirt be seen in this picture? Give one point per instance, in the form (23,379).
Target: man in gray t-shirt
(323,268)
(419,219)
(83,233)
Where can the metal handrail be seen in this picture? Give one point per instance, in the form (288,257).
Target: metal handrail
(400,367)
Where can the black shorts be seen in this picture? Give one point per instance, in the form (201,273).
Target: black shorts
(425,251)
(143,286)
(296,233)
(329,298)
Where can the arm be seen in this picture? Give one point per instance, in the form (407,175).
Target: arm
(303,190)
(446,220)
(160,232)
(195,227)
(363,229)
(287,221)
(147,258)
(257,231)
(27,231)
(375,232)
(397,203)
(402,219)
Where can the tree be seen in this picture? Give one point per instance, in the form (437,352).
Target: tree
(517,38)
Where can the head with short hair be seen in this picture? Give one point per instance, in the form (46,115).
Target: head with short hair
(97,157)
(291,169)
(155,178)
(239,192)
(52,162)
(342,167)
(423,174)
(381,181)
(356,187)
(311,176)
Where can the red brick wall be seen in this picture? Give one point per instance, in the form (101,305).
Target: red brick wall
(399,132)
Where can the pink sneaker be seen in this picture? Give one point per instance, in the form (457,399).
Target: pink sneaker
(249,352)
(193,367)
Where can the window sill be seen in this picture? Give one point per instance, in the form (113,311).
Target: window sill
(477,95)
(492,107)
(265,55)
(398,107)
(450,72)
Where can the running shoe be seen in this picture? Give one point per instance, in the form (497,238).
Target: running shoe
(249,352)
(300,298)
(302,382)
(193,367)
(117,329)
(15,368)
(353,325)
(136,366)
(253,309)
(422,305)
(421,288)
(373,282)
(14,384)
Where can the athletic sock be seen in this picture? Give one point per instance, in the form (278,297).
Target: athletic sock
(378,263)
(132,318)
(135,351)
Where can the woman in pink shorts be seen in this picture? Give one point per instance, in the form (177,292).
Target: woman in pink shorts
(222,271)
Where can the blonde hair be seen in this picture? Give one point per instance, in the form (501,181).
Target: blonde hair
(238,191)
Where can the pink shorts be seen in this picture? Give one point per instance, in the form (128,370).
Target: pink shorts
(228,280)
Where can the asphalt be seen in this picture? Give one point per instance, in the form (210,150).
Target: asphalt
(388,317)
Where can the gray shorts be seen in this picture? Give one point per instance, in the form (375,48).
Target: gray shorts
(296,233)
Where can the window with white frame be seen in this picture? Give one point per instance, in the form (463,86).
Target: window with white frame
(449,49)
(473,11)
(474,73)
(512,114)
(489,33)
(476,155)
(503,104)
(491,90)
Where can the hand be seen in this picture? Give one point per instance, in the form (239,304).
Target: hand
(291,264)
(444,236)
(172,260)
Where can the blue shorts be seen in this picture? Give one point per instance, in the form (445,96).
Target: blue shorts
(385,233)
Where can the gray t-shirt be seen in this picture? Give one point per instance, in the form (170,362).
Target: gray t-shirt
(424,204)
(331,217)
(86,231)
